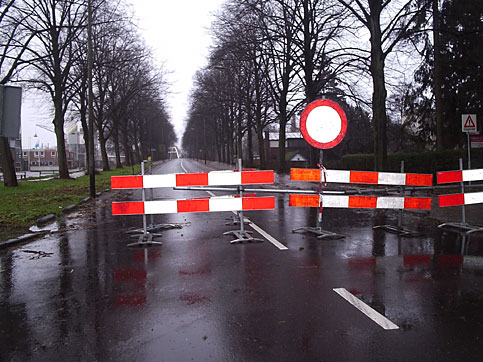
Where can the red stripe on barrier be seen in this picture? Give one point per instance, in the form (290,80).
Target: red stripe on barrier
(258,203)
(128,208)
(450,260)
(363,202)
(451,200)
(129,300)
(417,203)
(364,177)
(123,275)
(198,205)
(362,262)
(192,179)
(304,174)
(304,200)
(126,182)
(449,176)
(257,177)
(416,259)
(414,179)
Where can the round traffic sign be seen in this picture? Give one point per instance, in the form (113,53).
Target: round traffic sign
(323,123)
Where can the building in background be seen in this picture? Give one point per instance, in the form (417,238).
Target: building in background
(75,144)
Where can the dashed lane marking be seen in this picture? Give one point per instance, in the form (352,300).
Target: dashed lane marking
(365,309)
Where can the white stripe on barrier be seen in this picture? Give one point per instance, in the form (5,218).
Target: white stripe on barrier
(390,203)
(386,178)
(161,207)
(337,176)
(335,201)
(153,181)
(225,178)
(225,204)
(473,198)
(472,175)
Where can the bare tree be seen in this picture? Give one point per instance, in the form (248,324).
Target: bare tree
(14,41)
(388,23)
(56,49)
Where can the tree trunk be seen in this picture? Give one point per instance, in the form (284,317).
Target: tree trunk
(437,88)
(102,144)
(282,164)
(115,134)
(8,166)
(59,133)
(379,89)
(261,149)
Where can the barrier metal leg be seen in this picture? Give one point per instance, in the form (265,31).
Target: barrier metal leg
(146,239)
(241,235)
(398,229)
(317,230)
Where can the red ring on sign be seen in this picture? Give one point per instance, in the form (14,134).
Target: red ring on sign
(343,123)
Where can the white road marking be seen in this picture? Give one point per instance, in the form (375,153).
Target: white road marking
(267,236)
(185,170)
(262,232)
(364,308)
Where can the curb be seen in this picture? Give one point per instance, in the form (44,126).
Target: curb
(21,239)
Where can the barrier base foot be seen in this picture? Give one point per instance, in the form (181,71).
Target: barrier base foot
(242,236)
(156,227)
(145,241)
(321,234)
(398,230)
(459,227)
(235,220)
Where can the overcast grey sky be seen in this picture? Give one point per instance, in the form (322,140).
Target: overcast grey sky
(178,33)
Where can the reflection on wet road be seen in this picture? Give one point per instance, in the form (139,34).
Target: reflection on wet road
(81,294)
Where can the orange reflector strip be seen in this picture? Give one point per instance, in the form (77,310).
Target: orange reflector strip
(304,174)
(304,200)
(128,208)
(197,205)
(126,182)
(257,177)
(414,179)
(192,179)
(363,177)
(417,203)
(363,202)
(258,203)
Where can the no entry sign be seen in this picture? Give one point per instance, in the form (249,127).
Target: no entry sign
(323,123)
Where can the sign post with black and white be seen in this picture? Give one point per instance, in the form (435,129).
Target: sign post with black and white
(469,124)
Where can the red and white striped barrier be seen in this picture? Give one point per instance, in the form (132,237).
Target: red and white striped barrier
(461,198)
(221,203)
(368,202)
(212,178)
(445,177)
(364,177)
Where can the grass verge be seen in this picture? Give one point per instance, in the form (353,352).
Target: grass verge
(21,206)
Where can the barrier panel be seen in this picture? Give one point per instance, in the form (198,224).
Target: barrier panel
(235,203)
(324,176)
(461,199)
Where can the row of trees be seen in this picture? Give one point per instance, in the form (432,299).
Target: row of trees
(44,45)
(272,57)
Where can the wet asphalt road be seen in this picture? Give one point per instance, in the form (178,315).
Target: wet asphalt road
(80,294)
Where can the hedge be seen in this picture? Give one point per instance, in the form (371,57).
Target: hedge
(421,162)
